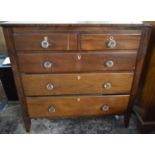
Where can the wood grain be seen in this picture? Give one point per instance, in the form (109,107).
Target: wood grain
(99,41)
(77,62)
(145,105)
(17,77)
(58,41)
(140,66)
(69,76)
(91,83)
(95,28)
(76,105)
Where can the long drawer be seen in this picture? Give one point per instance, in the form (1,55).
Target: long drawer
(77,62)
(84,83)
(76,106)
(109,41)
(45,41)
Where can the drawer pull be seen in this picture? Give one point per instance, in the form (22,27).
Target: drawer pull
(109,63)
(105,108)
(49,86)
(111,42)
(45,43)
(47,64)
(52,109)
(107,85)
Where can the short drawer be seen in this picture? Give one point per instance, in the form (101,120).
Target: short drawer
(45,41)
(84,83)
(77,62)
(109,41)
(76,105)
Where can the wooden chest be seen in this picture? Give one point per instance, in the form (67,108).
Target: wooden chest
(67,70)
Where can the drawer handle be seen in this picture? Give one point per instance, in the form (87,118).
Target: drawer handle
(111,43)
(49,86)
(109,63)
(107,85)
(47,64)
(52,109)
(45,43)
(105,107)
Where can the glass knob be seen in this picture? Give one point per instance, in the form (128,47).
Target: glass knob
(111,42)
(52,109)
(105,107)
(49,86)
(107,85)
(45,43)
(47,64)
(109,63)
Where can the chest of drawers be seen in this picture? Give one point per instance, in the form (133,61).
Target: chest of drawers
(68,70)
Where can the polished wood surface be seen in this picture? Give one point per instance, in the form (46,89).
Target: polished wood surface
(147,102)
(91,83)
(77,105)
(145,105)
(77,62)
(137,82)
(84,28)
(57,41)
(100,41)
(17,78)
(69,77)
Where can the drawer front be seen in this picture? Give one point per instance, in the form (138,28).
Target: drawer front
(76,106)
(90,83)
(104,41)
(77,62)
(45,41)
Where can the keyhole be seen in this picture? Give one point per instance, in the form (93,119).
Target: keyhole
(78,99)
(78,77)
(79,57)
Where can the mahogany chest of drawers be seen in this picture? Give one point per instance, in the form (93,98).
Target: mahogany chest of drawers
(68,70)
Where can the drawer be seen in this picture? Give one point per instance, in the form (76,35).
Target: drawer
(84,83)
(111,41)
(77,62)
(45,41)
(76,106)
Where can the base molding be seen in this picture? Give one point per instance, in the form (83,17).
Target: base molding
(143,126)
